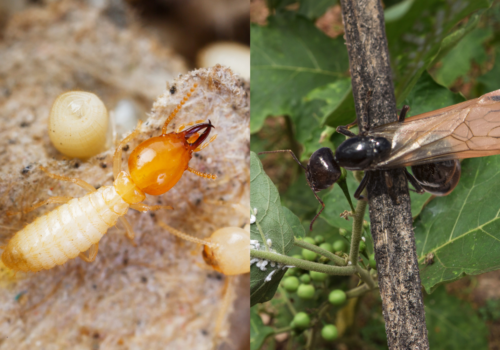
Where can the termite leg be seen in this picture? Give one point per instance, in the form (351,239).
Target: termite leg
(183,126)
(414,182)
(128,229)
(221,315)
(78,182)
(362,185)
(144,207)
(402,115)
(92,253)
(57,199)
(117,157)
(206,144)
(287,151)
(177,109)
(200,174)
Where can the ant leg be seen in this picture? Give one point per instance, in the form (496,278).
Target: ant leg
(402,115)
(320,211)
(92,253)
(199,148)
(414,182)
(342,129)
(78,182)
(117,157)
(128,229)
(200,174)
(144,207)
(177,109)
(362,185)
(183,126)
(286,151)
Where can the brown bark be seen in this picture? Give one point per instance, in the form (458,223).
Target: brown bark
(390,214)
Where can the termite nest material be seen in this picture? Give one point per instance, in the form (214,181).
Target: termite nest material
(181,297)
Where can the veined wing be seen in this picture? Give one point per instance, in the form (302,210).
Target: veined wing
(465,130)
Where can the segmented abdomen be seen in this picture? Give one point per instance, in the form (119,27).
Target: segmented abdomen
(62,234)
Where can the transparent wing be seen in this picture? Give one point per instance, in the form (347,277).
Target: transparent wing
(465,130)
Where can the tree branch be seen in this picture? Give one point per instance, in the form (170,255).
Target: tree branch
(390,215)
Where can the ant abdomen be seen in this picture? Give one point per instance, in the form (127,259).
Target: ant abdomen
(322,171)
(439,178)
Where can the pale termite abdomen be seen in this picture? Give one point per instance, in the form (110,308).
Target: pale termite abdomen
(65,232)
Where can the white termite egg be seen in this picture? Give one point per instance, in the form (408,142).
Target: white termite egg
(234,55)
(78,124)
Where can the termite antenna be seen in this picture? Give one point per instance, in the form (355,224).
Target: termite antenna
(184,235)
(178,108)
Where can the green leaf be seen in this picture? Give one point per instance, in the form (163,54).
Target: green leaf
(339,108)
(258,331)
(462,230)
(299,198)
(451,227)
(336,203)
(274,223)
(453,324)
(427,95)
(415,39)
(290,57)
(454,38)
(313,9)
(397,11)
(489,81)
(458,61)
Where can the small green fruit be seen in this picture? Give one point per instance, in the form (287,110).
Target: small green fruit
(339,246)
(292,272)
(305,278)
(309,240)
(291,284)
(366,225)
(319,239)
(342,232)
(327,246)
(308,255)
(306,291)
(318,276)
(329,332)
(301,320)
(337,297)
(373,262)
(362,246)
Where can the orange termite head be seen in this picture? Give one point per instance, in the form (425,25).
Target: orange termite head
(158,163)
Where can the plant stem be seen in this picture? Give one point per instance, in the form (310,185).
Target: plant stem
(264,241)
(336,259)
(358,291)
(365,277)
(304,264)
(310,336)
(283,330)
(287,301)
(357,227)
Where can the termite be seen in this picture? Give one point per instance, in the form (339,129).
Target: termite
(227,251)
(77,226)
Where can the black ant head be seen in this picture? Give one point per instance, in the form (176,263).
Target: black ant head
(322,171)
(360,152)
